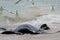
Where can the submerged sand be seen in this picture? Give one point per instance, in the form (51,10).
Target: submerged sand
(55,36)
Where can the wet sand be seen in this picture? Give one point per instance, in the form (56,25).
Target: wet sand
(55,36)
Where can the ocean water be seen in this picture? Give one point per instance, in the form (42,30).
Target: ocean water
(26,4)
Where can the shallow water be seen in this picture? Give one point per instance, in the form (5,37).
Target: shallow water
(35,15)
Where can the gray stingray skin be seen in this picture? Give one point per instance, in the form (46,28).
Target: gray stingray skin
(28,26)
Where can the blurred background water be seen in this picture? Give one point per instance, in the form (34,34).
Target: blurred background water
(23,5)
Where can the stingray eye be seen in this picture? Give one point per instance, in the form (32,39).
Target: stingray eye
(45,27)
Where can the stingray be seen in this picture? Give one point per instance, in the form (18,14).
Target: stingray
(27,29)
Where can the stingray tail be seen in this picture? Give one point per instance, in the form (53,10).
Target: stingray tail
(7,32)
